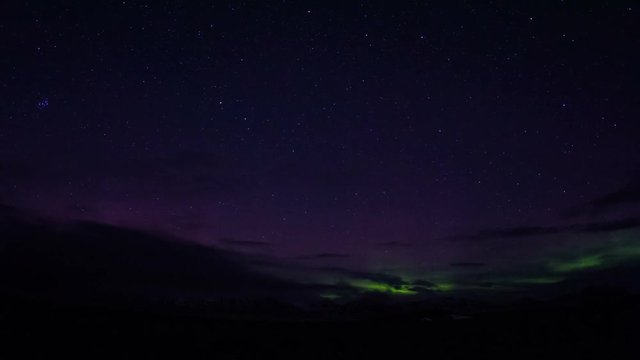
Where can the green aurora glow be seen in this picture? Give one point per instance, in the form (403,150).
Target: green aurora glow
(578,264)
(373,286)
(550,268)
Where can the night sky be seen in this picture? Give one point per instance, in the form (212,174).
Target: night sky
(454,144)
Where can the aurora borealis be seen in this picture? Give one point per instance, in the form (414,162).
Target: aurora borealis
(416,150)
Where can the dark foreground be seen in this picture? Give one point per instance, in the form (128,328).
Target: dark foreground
(42,331)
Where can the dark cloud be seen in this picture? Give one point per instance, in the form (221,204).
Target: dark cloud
(373,276)
(624,196)
(324,256)
(395,244)
(467,264)
(529,231)
(423,283)
(421,290)
(243,243)
(622,277)
(510,232)
(628,223)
